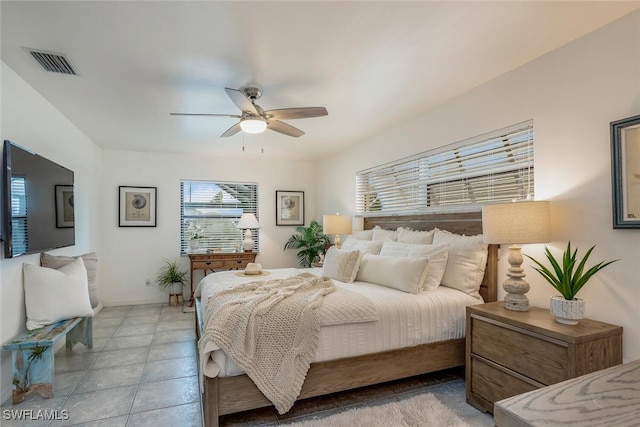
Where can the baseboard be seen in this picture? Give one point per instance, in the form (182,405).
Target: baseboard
(120,303)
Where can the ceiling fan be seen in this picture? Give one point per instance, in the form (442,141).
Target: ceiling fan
(254,119)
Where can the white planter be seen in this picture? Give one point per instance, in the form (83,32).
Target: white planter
(176,289)
(194,244)
(566,311)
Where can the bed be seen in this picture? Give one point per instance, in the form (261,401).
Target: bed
(224,395)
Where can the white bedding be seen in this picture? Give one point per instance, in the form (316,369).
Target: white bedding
(404,319)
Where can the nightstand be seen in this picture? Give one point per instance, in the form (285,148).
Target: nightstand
(512,352)
(218,261)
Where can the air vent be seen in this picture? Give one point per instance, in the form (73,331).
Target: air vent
(53,62)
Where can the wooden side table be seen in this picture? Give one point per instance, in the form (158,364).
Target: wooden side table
(218,261)
(512,352)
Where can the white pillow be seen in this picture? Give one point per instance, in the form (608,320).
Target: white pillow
(466,263)
(362,234)
(404,274)
(90,263)
(364,246)
(416,237)
(341,264)
(382,234)
(53,295)
(436,256)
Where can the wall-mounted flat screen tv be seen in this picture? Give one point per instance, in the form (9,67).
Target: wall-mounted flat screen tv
(38,205)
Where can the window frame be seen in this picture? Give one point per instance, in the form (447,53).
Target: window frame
(236,198)
(489,168)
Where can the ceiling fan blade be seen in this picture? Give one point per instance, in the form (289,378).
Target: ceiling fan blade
(205,114)
(232,130)
(240,99)
(284,128)
(296,113)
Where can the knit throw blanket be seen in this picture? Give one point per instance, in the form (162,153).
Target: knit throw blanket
(271,329)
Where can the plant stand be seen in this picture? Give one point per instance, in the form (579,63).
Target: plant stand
(178,297)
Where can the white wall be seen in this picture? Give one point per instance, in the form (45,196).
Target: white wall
(572,94)
(132,255)
(29,120)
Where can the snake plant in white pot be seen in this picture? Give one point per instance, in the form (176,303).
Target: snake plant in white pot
(568,276)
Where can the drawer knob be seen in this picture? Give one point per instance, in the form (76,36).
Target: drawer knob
(208,262)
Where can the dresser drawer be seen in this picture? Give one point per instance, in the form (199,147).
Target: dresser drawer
(208,265)
(540,358)
(493,383)
(236,263)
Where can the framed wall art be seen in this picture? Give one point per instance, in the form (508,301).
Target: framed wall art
(64,206)
(625,171)
(289,207)
(137,206)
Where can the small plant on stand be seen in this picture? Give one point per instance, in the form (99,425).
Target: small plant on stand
(171,277)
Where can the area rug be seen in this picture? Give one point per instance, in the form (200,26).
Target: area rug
(424,410)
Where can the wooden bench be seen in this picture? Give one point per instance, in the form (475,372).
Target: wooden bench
(33,355)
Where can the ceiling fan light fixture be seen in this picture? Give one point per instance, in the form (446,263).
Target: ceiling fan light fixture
(253,125)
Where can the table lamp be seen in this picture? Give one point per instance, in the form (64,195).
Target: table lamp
(516,223)
(336,224)
(247,222)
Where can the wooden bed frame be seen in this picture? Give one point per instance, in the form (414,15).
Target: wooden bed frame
(228,395)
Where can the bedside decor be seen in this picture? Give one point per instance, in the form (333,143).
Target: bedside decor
(568,277)
(625,171)
(137,206)
(336,224)
(195,234)
(289,207)
(247,222)
(516,223)
(310,240)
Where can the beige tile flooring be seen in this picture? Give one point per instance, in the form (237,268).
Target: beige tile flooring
(142,372)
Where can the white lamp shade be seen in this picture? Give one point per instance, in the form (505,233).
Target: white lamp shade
(253,125)
(248,220)
(517,222)
(336,224)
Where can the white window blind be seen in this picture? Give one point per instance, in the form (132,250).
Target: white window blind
(495,167)
(216,208)
(19,230)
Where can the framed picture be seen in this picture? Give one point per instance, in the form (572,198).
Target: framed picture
(137,206)
(625,160)
(289,207)
(64,206)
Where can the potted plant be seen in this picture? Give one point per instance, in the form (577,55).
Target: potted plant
(195,234)
(310,241)
(171,277)
(568,276)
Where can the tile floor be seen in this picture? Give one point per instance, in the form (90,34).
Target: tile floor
(142,372)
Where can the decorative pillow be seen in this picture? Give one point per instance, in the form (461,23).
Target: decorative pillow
(91,264)
(404,274)
(52,295)
(382,234)
(466,263)
(341,264)
(436,256)
(416,237)
(364,246)
(362,234)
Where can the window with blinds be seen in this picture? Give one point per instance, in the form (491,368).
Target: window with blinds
(19,231)
(215,208)
(495,167)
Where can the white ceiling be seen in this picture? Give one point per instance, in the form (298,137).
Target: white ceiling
(373,65)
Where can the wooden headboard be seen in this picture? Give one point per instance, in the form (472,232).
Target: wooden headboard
(469,223)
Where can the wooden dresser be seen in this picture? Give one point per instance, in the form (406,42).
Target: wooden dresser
(512,352)
(211,262)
